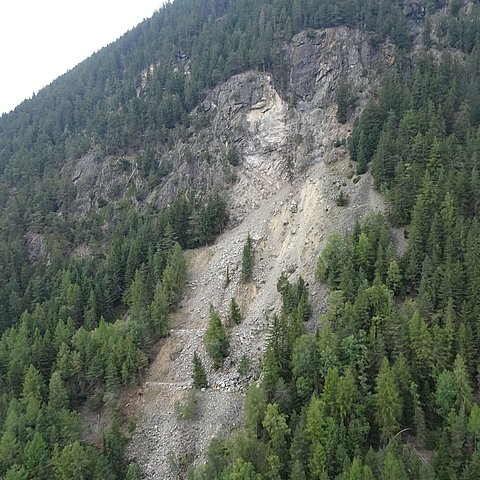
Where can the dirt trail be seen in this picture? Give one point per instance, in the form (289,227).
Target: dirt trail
(289,230)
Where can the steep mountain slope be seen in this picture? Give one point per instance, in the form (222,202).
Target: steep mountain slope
(288,222)
(104,170)
(210,121)
(283,241)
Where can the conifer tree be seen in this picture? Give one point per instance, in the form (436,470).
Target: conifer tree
(215,339)
(298,472)
(114,442)
(136,297)
(388,404)
(474,422)
(57,396)
(418,414)
(36,458)
(175,275)
(247,260)
(394,277)
(199,375)
(159,312)
(235,315)
(255,408)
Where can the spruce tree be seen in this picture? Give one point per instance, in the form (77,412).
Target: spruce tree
(199,375)
(235,315)
(215,339)
(159,311)
(387,402)
(247,260)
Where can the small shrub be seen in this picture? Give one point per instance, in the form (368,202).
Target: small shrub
(244,366)
(298,139)
(342,199)
(233,158)
(188,409)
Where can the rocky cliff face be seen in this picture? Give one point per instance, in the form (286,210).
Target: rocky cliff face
(277,134)
(292,166)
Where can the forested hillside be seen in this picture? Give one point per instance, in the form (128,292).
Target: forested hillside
(84,297)
(388,386)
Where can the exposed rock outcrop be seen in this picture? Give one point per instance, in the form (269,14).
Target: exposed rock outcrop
(277,134)
(293,165)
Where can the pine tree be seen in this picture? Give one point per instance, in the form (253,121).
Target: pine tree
(316,427)
(57,396)
(298,472)
(235,315)
(247,260)
(421,345)
(114,443)
(215,339)
(394,277)
(357,471)
(345,101)
(91,312)
(463,388)
(445,393)
(36,458)
(199,375)
(242,470)
(175,275)
(17,472)
(393,468)
(255,408)
(73,462)
(136,297)
(244,366)
(275,424)
(418,414)
(159,312)
(474,422)
(388,404)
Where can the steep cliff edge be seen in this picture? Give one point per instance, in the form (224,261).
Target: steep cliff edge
(275,133)
(279,136)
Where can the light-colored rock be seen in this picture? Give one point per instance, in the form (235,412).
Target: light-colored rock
(267,130)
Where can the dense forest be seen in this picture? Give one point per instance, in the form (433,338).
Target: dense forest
(398,348)
(388,386)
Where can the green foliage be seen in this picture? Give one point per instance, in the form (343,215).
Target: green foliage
(199,375)
(59,354)
(378,364)
(247,260)
(242,470)
(255,408)
(174,276)
(36,457)
(233,157)
(188,408)
(215,339)
(159,310)
(341,200)
(244,366)
(235,314)
(387,402)
(114,443)
(397,352)
(345,101)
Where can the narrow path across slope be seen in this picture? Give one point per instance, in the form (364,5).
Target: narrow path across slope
(288,229)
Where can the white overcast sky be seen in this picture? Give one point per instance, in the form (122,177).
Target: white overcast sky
(42,39)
